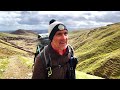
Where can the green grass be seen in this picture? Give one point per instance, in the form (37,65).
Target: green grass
(26,61)
(94,48)
(6,50)
(97,50)
(27,36)
(7,35)
(82,75)
(3,65)
(1,41)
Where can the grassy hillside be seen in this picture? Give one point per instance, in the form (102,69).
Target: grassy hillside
(10,54)
(16,55)
(82,75)
(98,50)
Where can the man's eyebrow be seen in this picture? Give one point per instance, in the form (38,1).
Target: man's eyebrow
(62,32)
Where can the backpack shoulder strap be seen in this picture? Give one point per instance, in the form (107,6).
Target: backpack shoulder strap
(72,62)
(70,51)
(47,61)
(38,49)
(45,57)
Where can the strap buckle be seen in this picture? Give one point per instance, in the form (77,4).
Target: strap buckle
(49,71)
(71,68)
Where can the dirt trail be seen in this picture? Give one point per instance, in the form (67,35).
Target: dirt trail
(16,70)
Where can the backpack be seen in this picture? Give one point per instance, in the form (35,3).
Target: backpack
(43,40)
(72,61)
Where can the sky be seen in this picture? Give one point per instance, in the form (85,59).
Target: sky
(39,20)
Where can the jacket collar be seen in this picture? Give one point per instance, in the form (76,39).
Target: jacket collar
(56,54)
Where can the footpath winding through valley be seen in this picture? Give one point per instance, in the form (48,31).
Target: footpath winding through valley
(16,70)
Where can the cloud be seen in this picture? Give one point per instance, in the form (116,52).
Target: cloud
(72,19)
(109,17)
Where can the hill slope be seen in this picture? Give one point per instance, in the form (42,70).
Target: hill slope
(82,75)
(22,31)
(98,50)
(16,55)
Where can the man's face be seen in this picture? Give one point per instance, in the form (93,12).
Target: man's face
(60,39)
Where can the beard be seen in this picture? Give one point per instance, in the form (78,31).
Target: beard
(62,46)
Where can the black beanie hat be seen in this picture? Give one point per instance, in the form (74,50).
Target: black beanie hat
(54,26)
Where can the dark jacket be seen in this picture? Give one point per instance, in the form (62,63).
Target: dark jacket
(40,71)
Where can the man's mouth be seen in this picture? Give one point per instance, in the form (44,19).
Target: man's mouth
(62,42)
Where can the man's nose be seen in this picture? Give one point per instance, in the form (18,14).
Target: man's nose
(63,36)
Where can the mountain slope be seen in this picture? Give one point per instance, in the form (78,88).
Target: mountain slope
(98,50)
(22,31)
(16,55)
(82,75)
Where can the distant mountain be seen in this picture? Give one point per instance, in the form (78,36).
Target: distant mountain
(35,31)
(22,31)
(40,31)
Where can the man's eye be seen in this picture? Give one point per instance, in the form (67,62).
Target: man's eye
(66,33)
(59,34)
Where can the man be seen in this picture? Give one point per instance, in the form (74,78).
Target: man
(58,54)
